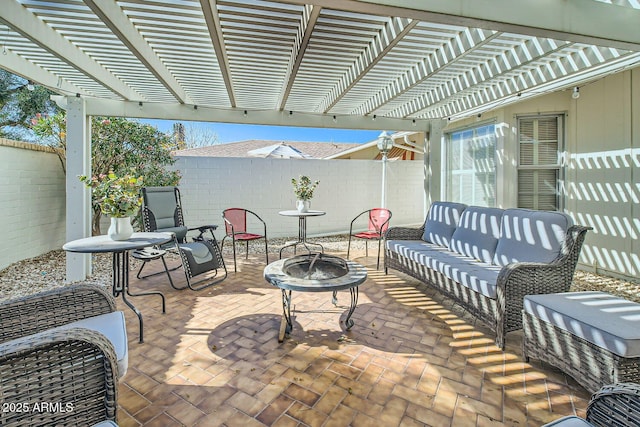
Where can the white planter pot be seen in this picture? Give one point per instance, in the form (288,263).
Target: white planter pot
(120,228)
(303,205)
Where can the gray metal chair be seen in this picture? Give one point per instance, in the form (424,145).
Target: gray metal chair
(162,212)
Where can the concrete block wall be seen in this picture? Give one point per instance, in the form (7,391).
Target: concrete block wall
(32,194)
(347,187)
(32,201)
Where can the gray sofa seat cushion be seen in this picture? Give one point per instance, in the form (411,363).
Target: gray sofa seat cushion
(477,233)
(531,236)
(407,247)
(480,277)
(424,253)
(441,222)
(605,320)
(113,327)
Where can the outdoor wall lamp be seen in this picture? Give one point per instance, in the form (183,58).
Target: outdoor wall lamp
(384,142)
(576,93)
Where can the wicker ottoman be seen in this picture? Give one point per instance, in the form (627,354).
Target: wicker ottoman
(592,336)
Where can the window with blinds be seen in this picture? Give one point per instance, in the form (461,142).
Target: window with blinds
(470,173)
(540,144)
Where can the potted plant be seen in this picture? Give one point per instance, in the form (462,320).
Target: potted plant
(303,189)
(119,198)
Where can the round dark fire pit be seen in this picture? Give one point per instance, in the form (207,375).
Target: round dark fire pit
(314,272)
(321,267)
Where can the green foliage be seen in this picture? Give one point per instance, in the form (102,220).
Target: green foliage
(18,105)
(120,146)
(52,131)
(118,197)
(303,187)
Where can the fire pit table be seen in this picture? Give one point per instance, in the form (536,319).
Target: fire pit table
(314,272)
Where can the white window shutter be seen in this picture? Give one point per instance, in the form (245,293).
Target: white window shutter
(540,144)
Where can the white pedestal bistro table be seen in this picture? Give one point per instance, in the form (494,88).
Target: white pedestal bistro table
(120,250)
(302,229)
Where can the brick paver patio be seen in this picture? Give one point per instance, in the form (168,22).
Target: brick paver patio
(412,359)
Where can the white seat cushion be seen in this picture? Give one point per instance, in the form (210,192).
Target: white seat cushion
(569,421)
(112,326)
(107,423)
(605,320)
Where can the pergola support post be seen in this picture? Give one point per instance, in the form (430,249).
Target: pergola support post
(78,204)
(432,161)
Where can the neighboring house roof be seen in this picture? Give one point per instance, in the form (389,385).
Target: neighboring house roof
(317,150)
(407,145)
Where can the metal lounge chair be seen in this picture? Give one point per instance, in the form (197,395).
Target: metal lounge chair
(235,223)
(378,223)
(162,212)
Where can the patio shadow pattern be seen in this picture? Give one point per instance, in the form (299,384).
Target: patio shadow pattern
(412,358)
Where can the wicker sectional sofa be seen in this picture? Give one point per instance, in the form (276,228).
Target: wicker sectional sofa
(488,259)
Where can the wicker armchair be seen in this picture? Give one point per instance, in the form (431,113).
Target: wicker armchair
(613,405)
(61,376)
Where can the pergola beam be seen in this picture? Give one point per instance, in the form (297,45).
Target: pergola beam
(580,77)
(299,50)
(182,112)
(29,26)
(527,53)
(17,65)
(393,32)
(470,104)
(211,17)
(429,67)
(578,21)
(113,17)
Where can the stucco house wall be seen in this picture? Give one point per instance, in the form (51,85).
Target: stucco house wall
(602,131)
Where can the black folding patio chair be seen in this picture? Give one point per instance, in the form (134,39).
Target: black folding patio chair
(200,254)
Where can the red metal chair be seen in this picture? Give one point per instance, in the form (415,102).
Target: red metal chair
(235,223)
(378,223)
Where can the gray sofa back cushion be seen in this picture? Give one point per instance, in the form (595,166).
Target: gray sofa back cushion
(531,236)
(441,222)
(477,233)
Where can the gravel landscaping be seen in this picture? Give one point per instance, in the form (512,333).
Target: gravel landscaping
(48,270)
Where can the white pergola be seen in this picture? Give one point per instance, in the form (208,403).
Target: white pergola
(378,64)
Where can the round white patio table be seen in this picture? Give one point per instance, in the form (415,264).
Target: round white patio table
(120,250)
(302,229)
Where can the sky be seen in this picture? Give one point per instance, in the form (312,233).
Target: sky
(228,132)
